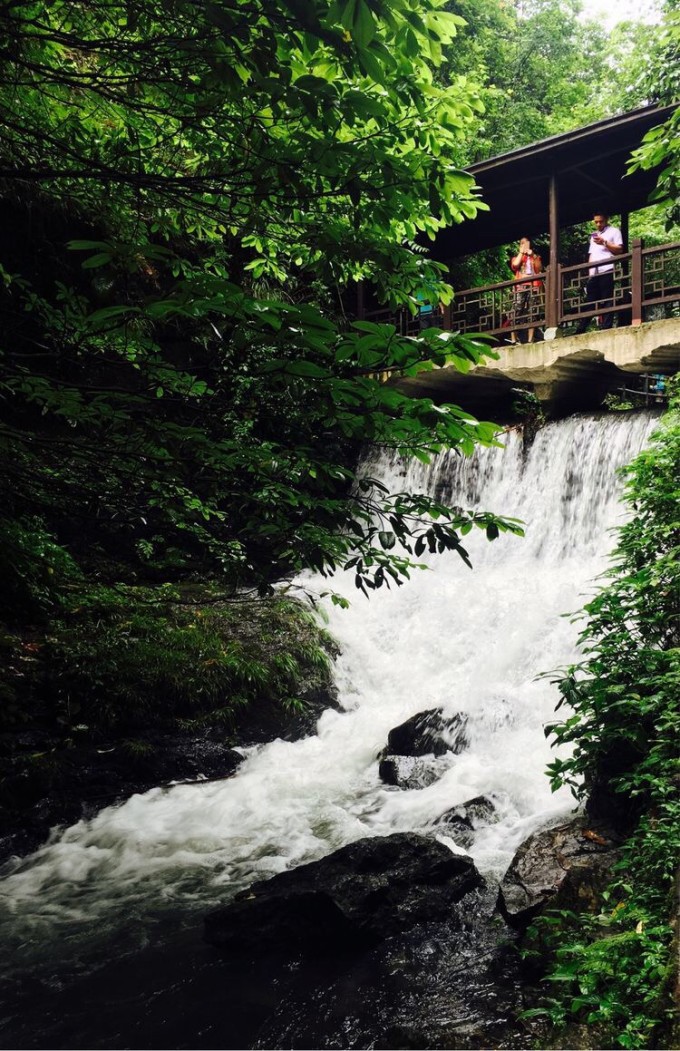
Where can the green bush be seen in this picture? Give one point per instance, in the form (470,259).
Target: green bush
(128,657)
(34,569)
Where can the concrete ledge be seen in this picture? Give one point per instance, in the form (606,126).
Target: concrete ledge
(651,347)
(568,374)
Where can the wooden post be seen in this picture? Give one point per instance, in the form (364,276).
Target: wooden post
(636,282)
(625,267)
(550,297)
(552,290)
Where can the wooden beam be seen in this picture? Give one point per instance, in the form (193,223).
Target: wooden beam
(608,188)
(552,290)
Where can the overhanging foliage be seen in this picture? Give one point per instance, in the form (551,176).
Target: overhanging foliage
(192,192)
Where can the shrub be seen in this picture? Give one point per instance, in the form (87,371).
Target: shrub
(625,699)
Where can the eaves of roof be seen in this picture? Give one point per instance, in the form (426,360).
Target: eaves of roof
(589,168)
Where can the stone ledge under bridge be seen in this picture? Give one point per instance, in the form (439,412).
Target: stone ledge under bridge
(567,374)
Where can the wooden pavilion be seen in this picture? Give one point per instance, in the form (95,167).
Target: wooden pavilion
(546,187)
(556,183)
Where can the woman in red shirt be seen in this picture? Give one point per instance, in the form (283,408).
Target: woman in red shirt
(527,295)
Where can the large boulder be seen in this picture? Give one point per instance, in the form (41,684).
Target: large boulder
(428,733)
(413,757)
(361,894)
(567,867)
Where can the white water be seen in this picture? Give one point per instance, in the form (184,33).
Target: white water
(467,641)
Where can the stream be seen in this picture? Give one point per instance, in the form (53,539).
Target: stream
(103,924)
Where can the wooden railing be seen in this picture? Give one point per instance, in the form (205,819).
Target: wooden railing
(500,308)
(646,288)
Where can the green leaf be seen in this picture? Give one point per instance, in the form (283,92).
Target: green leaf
(371,65)
(95,261)
(82,246)
(108,313)
(307,369)
(363,25)
(347,8)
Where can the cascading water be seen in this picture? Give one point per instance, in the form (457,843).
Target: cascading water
(471,642)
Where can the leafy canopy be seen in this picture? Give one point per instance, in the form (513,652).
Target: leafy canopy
(661,145)
(192,192)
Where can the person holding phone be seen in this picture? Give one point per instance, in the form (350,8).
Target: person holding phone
(604,245)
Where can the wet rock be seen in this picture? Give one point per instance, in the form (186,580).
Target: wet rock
(359,895)
(460,821)
(411,758)
(405,771)
(80,781)
(265,721)
(459,829)
(428,733)
(450,983)
(473,813)
(565,867)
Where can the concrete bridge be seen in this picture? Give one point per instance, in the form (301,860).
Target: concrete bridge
(568,374)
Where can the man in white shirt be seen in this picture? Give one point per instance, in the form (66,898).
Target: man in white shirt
(605,244)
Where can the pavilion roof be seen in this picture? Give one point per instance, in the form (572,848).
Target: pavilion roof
(589,165)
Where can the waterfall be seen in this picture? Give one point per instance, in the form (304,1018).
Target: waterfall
(467,641)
